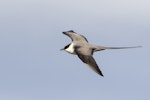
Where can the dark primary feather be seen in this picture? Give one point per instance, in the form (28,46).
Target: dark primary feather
(71,31)
(75,37)
(91,62)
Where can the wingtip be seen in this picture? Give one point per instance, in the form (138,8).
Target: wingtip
(71,31)
(101,75)
(64,32)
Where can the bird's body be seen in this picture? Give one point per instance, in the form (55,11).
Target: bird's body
(84,50)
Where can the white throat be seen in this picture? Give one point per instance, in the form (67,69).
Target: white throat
(70,49)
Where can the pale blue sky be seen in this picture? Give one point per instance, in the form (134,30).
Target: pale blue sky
(33,68)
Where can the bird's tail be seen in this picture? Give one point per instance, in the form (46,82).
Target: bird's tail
(99,48)
(122,47)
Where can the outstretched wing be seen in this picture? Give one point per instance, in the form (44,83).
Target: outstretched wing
(75,37)
(89,60)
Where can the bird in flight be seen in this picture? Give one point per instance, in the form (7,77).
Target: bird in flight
(84,50)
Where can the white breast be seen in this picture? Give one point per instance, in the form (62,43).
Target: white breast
(70,49)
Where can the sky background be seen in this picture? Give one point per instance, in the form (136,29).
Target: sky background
(32,67)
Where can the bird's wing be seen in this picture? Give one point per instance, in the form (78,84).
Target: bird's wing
(75,37)
(89,60)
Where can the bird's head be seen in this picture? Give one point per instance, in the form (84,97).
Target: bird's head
(65,47)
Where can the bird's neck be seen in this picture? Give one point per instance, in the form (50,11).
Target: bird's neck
(70,49)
